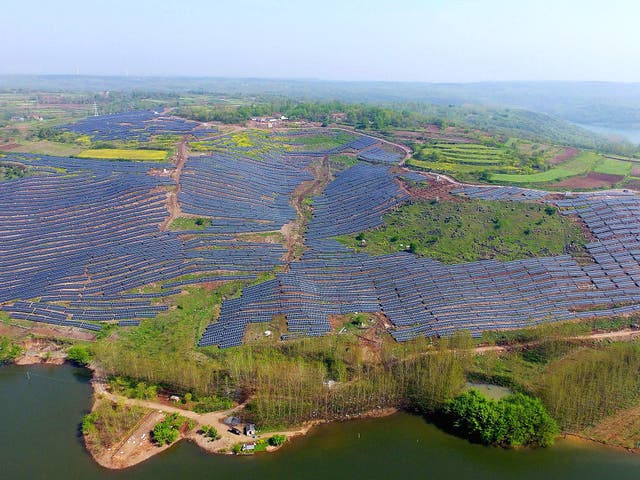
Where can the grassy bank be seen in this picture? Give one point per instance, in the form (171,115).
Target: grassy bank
(469,231)
(122,154)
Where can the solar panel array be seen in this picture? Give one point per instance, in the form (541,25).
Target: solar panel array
(77,238)
(359,144)
(81,234)
(479,192)
(421,296)
(243,194)
(378,155)
(138,125)
(90,233)
(356,200)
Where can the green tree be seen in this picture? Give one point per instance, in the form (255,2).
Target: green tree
(512,421)
(79,354)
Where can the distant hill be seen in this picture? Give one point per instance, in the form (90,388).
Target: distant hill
(601,103)
(533,110)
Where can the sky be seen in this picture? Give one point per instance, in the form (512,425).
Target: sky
(401,40)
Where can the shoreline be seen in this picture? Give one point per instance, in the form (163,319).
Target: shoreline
(582,439)
(146,449)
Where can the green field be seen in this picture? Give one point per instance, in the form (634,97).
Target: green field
(45,147)
(456,169)
(477,162)
(189,223)
(580,165)
(317,142)
(515,162)
(472,154)
(470,231)
(122,154)
(613,167)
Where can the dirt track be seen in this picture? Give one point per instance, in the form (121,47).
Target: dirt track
(625,335)
(173,205)
(137,446)
(292,232)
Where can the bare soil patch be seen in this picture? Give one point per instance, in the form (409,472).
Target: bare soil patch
(9,146)
(173,206)
(293,232)
(589,181)
(431,190)
(566,154)
(632,184)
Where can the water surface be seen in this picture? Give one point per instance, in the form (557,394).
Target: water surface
(630,134)
(42,408)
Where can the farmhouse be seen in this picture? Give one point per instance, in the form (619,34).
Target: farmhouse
(249,429)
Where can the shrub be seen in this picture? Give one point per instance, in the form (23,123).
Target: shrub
(210,432)
(512,421)
(212,404)
(277,440)
(237,448)
(79,354)
(167,431)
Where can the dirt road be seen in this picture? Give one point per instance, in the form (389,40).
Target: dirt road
(173,205)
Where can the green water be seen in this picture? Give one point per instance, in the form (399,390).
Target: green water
(39,438)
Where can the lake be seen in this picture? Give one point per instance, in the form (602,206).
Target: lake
(42,408)
(631,135)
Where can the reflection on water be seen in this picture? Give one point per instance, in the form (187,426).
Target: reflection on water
(41,413)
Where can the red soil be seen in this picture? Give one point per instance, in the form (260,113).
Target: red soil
(9,146)
(591,180)
(566,154)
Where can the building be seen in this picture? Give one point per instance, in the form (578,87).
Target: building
(250,429)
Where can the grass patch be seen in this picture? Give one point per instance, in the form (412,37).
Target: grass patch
(109,422)
(46,147)
(465,153)
(190,223)
(9,350)
(580,165)
(343,161)
(321,141)
(470,231)
(477,162)
(456,168)
(612,166)
(122,154)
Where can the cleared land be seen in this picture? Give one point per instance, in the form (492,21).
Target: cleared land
(45,147)
(122,154)
(469,231)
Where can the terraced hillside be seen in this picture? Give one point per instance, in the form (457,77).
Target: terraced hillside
(521,163)
(82,243)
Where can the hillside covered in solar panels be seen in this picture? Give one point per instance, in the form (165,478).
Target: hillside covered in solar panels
(90,243)
(138,125)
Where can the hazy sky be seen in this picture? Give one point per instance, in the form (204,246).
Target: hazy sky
(413,40)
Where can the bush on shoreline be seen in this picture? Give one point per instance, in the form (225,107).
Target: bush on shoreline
(513,421)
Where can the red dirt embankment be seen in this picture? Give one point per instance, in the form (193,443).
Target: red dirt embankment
(566,154)
(9,146)
(590,181)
